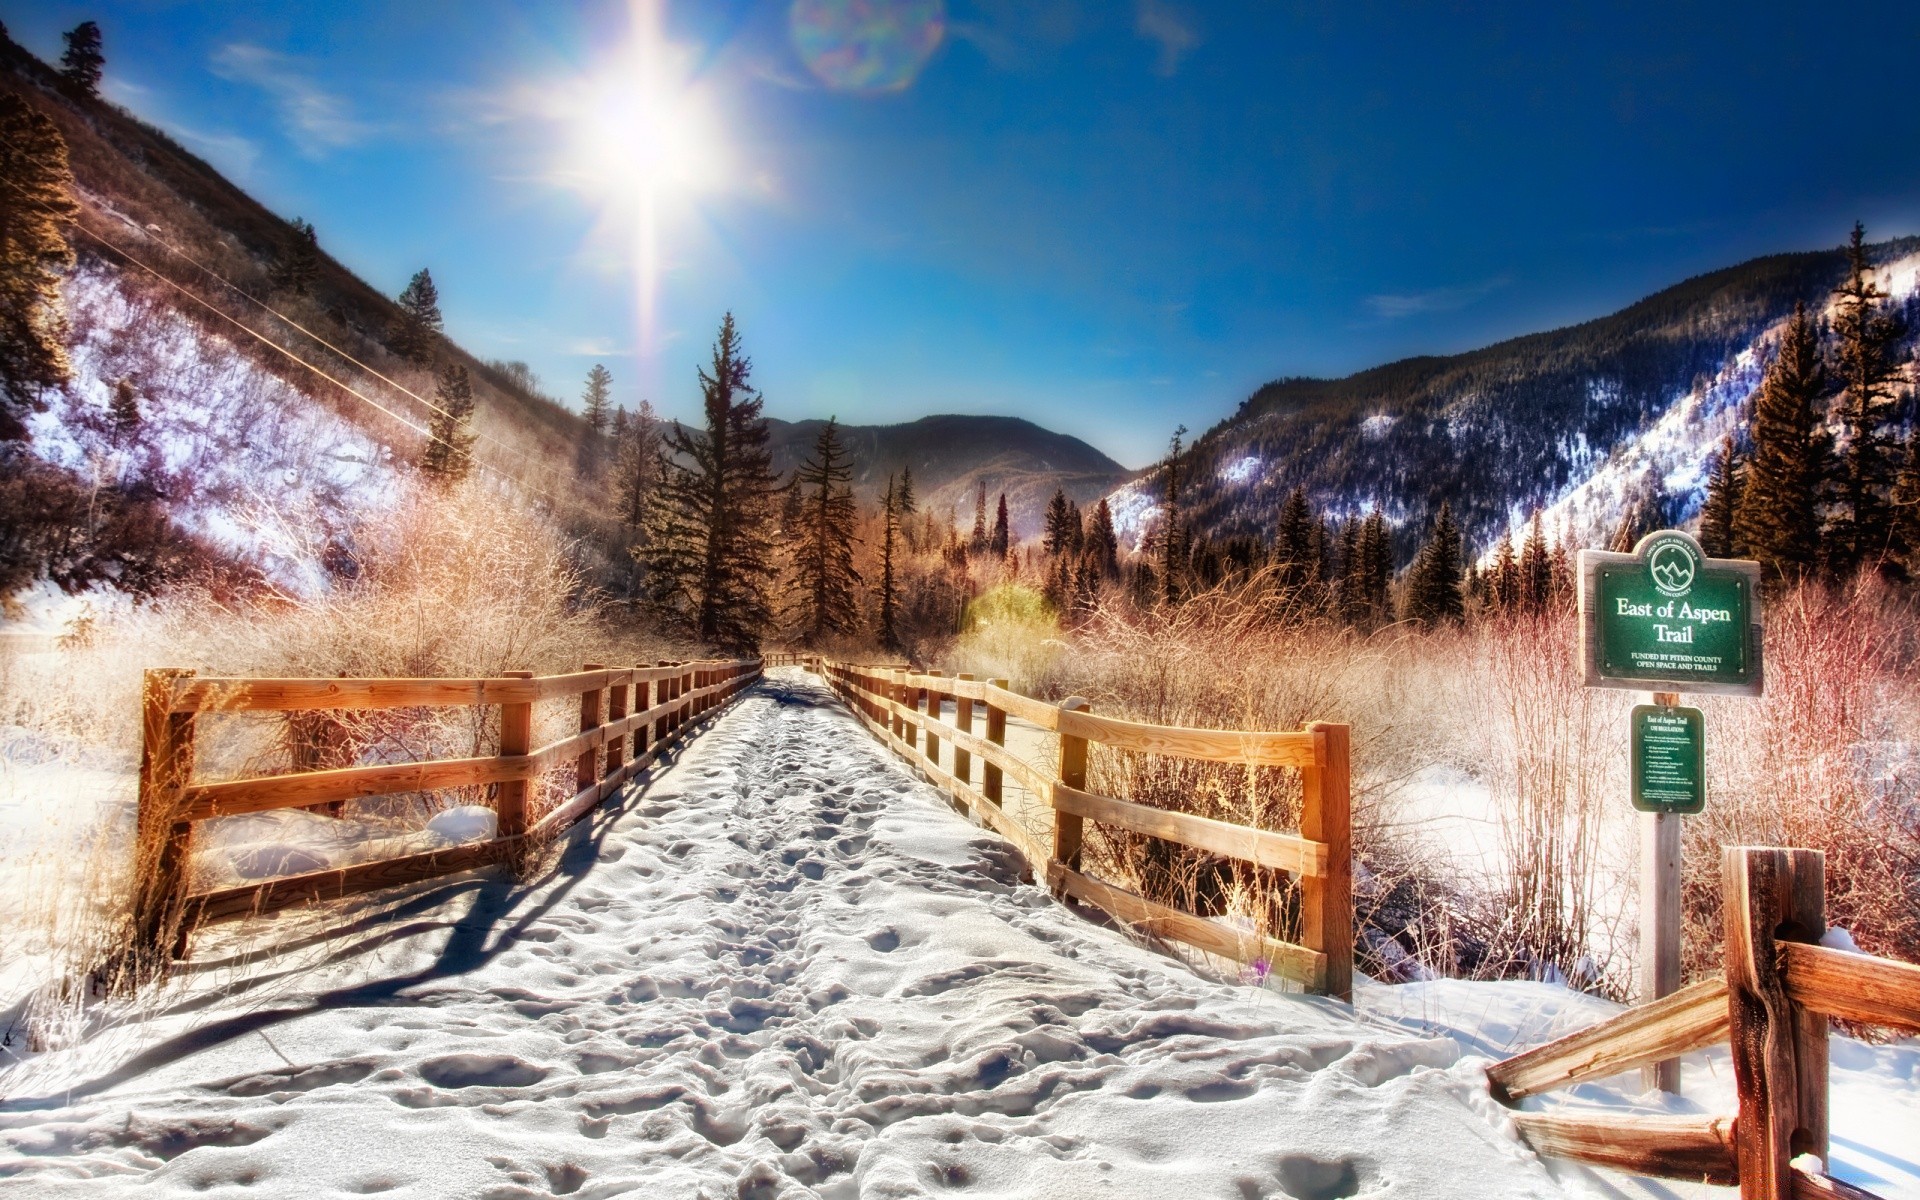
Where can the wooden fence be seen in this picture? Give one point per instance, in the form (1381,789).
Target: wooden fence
(904,709)
(617,738)
(1772,1009)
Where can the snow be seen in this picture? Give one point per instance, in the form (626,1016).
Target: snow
(1240,469)
(782,968)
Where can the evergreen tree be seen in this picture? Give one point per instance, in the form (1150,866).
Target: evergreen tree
(904,500)
(1353,589)
(81,65)
(979,542)
(825,579)
(635,454)
(1173,533)
(449,452)
(1376,565)
(1103,544)
(596,400)
(1777,521)
(1504,588)
(1906,508)
(36,206)
(1536,569)
(1062,525)
(1723,502)
(1864,367)
(1002,539)
(124,411)
(709,551)
(889,600)
(1293,541)
(1433,586)
(297,268)
(417,334)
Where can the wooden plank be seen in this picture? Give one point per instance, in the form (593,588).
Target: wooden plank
(962,724)
(991,771)
(1326,816)
(1824,1187)
(1699,1149)
(1693,1017)
(586,767)
(1039,712)
(617,717)
(1660,919)
(1278,851)
(1068,826)
(259,794)
(283,695)
(163,841)
(1853,987)
(234,903)
(510,798)
(1254,748)
(1304,966)
(1759,897)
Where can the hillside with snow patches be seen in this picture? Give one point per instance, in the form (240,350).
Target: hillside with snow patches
(1578,423)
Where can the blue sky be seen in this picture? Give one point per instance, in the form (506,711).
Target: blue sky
(1109,218)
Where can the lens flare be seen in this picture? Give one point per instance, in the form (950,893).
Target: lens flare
(867,47)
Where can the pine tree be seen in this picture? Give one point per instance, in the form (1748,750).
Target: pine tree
(36,206)
(449,452)
(1061,524)
(1376,566)
(596,400)
(1292,546)
(1864,368)
(1103,544)
(979,542)
(825,579)
(123,411)
(1777,521)
(1173,533)
(1002,539)
(81,65)
(709,553)
(1536,569)
(1433,587)
(1351,591)
(417,335)
(636,449)
(1906,507)
(904,500)
(1504,588)
(297,268)
(889,600)
(1723,502)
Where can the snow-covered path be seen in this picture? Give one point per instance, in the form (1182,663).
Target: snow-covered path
(784,968)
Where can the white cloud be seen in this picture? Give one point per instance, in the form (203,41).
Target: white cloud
(316,119)
(1392,306)
(1168,28)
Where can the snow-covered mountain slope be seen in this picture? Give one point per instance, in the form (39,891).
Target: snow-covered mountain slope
(1577,422)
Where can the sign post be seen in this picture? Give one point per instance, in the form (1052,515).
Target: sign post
(1664,617)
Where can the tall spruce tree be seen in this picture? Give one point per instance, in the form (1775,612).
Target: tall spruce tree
(1174,538)
(1504,589)
(596,400)
(1002,539)
(709,552)
(1293,541)
(1062,528)
(825,583)
(1906,508)
(417,334)
(1433,587)
(1863,366)
(123,411)
(449,452)
(1722,504)
(81,65)
(1536,568)
(978,543)
(297,267)
(889,597)
(635,454)
(1376,559)
(1778,519)
(1103,544)
(36,207)
(904,500)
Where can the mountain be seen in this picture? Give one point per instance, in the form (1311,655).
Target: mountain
(952,455)
(1579,422)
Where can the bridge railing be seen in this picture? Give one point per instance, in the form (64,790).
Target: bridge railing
(905,710)
(1772,1009)
(628,716)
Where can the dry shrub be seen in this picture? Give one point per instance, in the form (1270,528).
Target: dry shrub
(1826,761)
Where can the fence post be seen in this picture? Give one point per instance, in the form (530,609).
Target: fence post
(1326,816)
(963,721)
(516,738)
(997,734)
(935,704)
(1779,1050)
(1068,827)
(660,690)
(897,694)
(163,844)
(642,701)
(616,712)
(584,774)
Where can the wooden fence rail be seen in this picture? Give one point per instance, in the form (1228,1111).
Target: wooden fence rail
(905,709)
(1772,1009)
(628,716)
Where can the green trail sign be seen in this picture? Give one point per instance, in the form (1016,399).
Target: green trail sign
(1668,618)
(1669,759)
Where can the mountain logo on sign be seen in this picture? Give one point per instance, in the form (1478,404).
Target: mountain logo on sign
(1672,567)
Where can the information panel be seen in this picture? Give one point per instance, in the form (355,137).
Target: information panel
(1669,759)
(1666,617)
